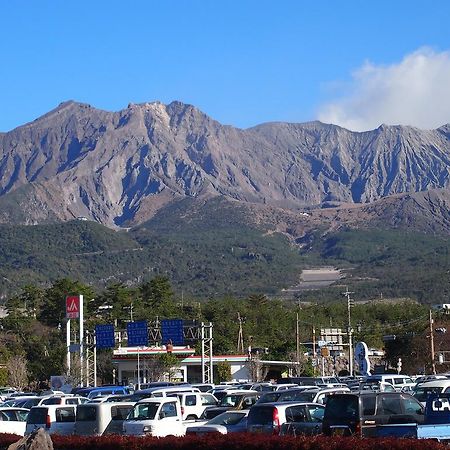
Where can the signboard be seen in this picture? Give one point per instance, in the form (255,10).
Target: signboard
(74,348)
(104,336)
(172,332)
(362,358)
(73,307)
(137,333)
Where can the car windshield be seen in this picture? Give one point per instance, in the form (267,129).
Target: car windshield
(305,396)
(143,411)
(421,393)
(230,400)
(269,397)
(227,418)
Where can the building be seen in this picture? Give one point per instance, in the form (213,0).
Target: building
(125,361)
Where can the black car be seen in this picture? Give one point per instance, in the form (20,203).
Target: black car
(359,414)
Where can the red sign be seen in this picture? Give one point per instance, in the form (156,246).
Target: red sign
(73,307)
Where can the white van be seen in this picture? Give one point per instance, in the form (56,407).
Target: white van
(398,381)
(194,403)
(55,419)
(157,417)
(97,419)
(161,392)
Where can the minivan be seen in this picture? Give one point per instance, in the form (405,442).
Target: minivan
(96,419)
(398,381)
(360,414)
(55,419)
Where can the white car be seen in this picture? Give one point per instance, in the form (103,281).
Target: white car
(13,420)
(159,417)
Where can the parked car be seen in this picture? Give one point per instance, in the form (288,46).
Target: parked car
(56,400)
(13,420)
(97,419)
(360,413)
(423,390)
(157,417)
(310,395)
(161,392)
(268,418)
(306,422)
(398,381)
(55,419)
(235,399)
(202,387)
(192,406)
(103,391)
(227,422)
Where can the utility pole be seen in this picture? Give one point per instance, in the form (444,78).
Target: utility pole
(314,346)
(433,365)
(240,342)
(350,304)
(297,340)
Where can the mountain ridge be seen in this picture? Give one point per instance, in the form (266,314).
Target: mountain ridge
(119,168)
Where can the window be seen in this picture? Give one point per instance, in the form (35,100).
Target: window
(316,413)
(398,381)
(411,406)
(368,405)
(342,406)
(86,413)
(142,411)
(37,416)
(191,400)
(120,412)
(295,414)
(52,401)
(22,415)
(389,405)
(65,415)
(208,399)
(169,409)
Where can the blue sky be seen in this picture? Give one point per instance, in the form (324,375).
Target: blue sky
(242,62)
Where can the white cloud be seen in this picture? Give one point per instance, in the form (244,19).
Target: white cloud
(414,92)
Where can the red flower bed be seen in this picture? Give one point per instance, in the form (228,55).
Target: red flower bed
(232,442)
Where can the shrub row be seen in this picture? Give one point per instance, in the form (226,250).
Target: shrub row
(231,442)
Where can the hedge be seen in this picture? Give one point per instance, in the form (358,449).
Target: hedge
(235,441)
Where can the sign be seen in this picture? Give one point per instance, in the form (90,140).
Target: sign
(172,332)
(137,333)
(104,336)
(73,307)
(362,358)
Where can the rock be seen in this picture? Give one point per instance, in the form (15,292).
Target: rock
(37,440)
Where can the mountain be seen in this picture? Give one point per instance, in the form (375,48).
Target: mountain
(120,168)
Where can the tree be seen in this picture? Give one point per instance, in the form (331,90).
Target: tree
(223,371)
(17,371)
(53,308)
(157,297)
(169,364)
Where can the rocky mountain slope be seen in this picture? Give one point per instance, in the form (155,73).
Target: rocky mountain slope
(119,168)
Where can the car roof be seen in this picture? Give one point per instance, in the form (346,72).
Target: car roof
(241,391)
(293,403)
(435,383)
(12,408)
